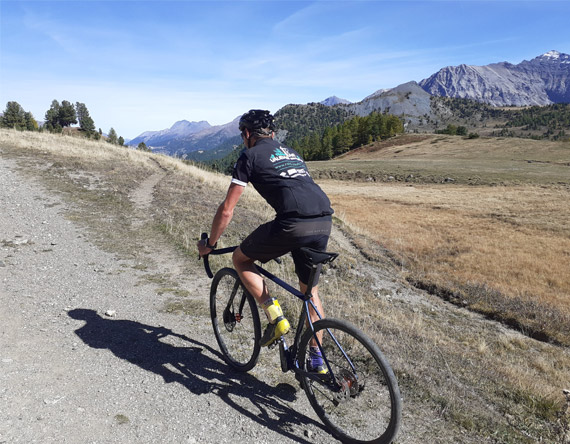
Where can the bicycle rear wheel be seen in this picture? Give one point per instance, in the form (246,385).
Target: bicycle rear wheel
(366,405)
(235,320)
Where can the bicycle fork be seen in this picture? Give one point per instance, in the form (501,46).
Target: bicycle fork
(229,316)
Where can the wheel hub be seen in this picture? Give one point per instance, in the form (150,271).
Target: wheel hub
(229,320)
(349,386)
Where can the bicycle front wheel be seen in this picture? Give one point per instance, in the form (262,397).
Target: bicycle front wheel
(235,320)
(363,404)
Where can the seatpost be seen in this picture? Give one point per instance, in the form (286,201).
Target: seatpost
(314,270)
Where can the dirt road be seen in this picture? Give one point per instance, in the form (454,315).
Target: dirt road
(88,354)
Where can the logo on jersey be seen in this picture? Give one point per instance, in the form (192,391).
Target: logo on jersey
(283,154)
(294,172)
(288,163)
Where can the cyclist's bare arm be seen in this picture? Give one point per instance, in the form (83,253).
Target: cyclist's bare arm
(223,216)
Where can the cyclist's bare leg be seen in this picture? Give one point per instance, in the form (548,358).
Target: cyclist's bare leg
(314,317)
(250,277)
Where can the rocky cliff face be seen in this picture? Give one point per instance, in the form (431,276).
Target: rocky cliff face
(540,81)
(407,100)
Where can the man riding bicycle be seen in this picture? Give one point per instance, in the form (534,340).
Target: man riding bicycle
(303,219)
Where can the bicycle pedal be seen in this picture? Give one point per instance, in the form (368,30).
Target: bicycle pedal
(275,343)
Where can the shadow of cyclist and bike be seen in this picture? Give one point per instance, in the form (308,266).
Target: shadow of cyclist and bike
(188,365)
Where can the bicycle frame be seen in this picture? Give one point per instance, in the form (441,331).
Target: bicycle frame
(303,317)
(291,353)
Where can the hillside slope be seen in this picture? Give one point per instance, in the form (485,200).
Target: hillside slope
(112,231)
(429,158)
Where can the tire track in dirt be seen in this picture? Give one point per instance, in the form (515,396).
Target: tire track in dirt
(142,196)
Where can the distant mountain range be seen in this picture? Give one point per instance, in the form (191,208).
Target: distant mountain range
(180,129)
(541,81)
(186,137)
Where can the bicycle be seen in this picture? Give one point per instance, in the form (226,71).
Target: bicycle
(358,399)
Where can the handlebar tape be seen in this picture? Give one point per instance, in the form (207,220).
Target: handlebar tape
(206,261)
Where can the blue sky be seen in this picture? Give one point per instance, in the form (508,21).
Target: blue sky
(143,65)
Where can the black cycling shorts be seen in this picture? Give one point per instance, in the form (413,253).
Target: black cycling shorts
(281,236)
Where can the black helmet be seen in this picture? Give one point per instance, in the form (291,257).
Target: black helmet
(257,120)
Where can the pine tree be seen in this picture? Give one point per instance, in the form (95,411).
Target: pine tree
(297,147)
(377,125)
(67,115)
(314,146)
(342,141)
(31,123)
(393,126)
(52,117)
(142,147)
(14,116)
(461,131)
(327,145)
(112,137)
(362,131)
(85,121)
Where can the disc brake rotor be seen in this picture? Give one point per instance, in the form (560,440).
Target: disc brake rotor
(349,386)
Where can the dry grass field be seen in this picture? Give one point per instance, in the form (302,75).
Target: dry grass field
(497,249)
(502,250)
(453,159)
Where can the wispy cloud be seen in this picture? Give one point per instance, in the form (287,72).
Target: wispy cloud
(297,21)
(141,65)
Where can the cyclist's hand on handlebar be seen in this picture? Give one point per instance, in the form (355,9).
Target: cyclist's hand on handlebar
(203,250)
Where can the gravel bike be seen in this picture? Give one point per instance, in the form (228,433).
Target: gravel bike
(358,399)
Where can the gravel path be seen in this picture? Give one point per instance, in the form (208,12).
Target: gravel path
(87,355)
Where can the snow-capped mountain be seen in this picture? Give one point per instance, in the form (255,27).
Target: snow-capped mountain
(540,81)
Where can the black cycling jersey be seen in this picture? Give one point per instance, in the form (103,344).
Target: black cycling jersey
(280,175)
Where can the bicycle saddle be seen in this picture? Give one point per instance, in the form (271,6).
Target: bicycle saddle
(317,257)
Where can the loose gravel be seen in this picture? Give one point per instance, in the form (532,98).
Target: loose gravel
(89,355)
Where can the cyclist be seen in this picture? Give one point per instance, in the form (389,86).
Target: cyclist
(303,219)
